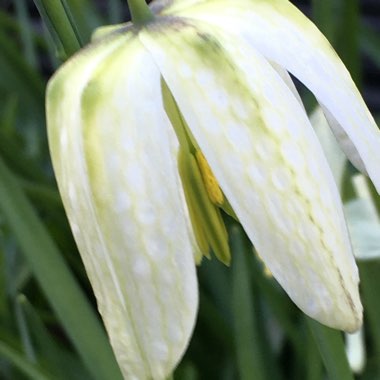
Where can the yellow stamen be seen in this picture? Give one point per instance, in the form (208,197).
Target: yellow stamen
(211,184)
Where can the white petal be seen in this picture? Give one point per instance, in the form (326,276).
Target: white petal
(333,152)
(345,142)
(267,159)
(363,221)
(285,36)
(289,82)
(356,352)
(116,168)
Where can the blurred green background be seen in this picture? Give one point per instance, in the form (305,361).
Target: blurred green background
(247,327)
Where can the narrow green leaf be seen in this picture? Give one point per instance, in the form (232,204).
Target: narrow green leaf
(60,23)
(370,285)
(63,364)
(323,15)
(281,306)
(26,36)
(216,324)
(17,359)
(370,42)
(250,356)
(28,79)
(24,332)
(57,282)
(347,17)
(186,371)
(314,364)
(85,17)
(215,279)
(331,347)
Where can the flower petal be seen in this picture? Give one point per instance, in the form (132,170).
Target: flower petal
(280,32)
(333,153)
(267,159)
(344,141)
(115,161)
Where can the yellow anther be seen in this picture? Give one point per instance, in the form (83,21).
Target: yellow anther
(211,184)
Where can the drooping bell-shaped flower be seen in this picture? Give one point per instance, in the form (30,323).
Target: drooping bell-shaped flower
(156,126)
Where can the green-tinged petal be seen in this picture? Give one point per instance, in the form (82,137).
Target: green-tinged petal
(284,35)
(263,152)
(171,6)
(114,154)
(104,31)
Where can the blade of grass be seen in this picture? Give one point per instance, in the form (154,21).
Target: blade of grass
(250,356)
(212,318)
(24,332)
(17,359)
(63,364)
(370,42)
(370,285)
(331,347)
(56,280)
(323,15)
(314,364)
(216,281)
(348,38)
(60,23)
(25,34)
(29,79)
(84,15)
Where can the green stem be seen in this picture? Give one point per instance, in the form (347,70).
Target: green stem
(140,12)
(56,17)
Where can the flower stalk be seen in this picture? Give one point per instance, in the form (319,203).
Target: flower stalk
(140,12)
(59,23)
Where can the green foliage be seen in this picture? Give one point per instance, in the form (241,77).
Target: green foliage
(247,327)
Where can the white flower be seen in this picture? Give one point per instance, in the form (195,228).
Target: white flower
(130,157)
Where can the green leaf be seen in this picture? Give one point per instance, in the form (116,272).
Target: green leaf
(370,42)
(370,285)
(26,37)
(25,78)
(63,364)
(249,350)
(31,370)
(331,347)
(55,279)
(58,20)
